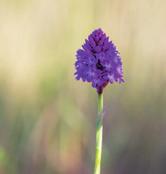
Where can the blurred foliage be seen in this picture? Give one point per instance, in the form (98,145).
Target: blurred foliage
(47,118)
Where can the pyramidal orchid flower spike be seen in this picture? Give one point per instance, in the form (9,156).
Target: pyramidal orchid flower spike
(99,63)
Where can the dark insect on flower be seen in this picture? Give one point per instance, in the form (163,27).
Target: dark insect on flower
(98,61)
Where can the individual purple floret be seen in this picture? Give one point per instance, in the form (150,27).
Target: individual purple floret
(98,61)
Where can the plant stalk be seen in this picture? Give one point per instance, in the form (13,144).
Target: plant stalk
(99,134)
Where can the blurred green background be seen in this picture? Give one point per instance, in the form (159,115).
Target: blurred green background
(47,118)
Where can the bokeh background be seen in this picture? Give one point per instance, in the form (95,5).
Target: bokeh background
(47,118)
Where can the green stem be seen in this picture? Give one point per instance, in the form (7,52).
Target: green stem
(99,134)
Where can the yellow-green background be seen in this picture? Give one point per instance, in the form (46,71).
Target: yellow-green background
(47,118)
